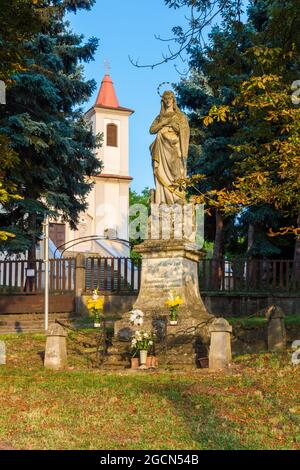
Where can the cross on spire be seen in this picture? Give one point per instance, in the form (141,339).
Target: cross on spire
(107,66)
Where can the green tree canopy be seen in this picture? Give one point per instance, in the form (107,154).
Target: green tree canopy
(220,75)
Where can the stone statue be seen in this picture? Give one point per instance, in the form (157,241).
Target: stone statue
(169,150)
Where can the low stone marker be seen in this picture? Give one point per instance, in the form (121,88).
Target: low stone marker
(220,344)
(276,328)
(2,353)
(56,347)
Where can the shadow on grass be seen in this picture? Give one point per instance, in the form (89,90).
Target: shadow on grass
(198,411)
(41,354)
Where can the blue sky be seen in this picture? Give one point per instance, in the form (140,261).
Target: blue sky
(127,28)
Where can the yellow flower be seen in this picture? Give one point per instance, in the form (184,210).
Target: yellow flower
(90,304)
(174,302)
(178,300)
(99,303)
(95,304)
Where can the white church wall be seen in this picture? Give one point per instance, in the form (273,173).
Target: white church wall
(108,201)
(102,118)
(112,155)
(99,190)
(124,209)
(124,143)
(112,216)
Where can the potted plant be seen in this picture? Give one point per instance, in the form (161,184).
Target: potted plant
(173,302)
(95,307)
(135,362)
(142,342)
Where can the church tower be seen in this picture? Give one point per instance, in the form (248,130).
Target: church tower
(107,213)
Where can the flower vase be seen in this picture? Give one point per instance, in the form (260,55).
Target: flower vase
(143,358)
(173,316)
(97,323)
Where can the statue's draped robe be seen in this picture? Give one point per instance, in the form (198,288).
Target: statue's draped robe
(169,151)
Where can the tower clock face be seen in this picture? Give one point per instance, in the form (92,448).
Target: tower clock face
(57,233)
(83,227)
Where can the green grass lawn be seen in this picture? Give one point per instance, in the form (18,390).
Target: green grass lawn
(256,405)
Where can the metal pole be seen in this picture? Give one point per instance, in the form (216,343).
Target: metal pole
(46,260)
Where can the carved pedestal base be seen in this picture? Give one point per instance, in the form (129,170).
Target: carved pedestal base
(170,265)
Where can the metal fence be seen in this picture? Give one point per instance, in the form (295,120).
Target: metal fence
(113,274)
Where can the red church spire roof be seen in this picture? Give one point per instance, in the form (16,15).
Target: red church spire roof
(107,96)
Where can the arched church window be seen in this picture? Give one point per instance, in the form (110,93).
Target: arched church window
(112,135)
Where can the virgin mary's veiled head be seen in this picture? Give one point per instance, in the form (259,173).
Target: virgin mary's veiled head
(165,97)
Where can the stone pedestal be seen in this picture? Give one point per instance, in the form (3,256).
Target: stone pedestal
(170,265)
(56,348)
(220,344)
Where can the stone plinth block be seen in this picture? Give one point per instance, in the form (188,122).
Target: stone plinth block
(276,329)
(56,348)
(220,344)
(167,265)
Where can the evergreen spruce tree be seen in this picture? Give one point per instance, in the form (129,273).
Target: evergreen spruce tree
(19,21)
(47,129)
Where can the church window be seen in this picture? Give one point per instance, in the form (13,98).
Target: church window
(112,135)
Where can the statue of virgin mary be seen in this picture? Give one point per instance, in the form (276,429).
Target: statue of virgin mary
(169,150)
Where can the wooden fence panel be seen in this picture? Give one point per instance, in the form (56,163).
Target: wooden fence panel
(236,275)
(249,275)
(124,275)
(14,276)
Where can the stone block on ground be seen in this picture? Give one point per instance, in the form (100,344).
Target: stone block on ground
(56,347)
(2,353)
(220,344)
(276,329)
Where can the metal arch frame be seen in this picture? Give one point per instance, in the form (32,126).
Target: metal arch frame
(87,238)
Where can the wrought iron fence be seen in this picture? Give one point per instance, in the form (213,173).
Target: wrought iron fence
(113,274)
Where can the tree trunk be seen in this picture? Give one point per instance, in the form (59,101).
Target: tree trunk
(218,251)
(251,236)
(251,263)
(297,256)
(31,264)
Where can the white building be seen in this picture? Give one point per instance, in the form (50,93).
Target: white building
(108,202)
